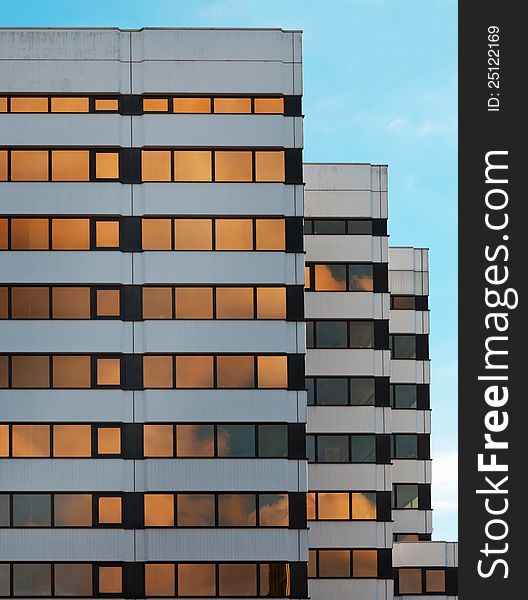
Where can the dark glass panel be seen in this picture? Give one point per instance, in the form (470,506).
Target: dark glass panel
(363,448)
(332,448)
(273,440)
(236,440)
(31,510)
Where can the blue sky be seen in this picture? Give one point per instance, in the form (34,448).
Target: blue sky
(380,81)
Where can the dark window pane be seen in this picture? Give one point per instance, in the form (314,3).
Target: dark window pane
(32,579)
(405,446)
(4,510)
(310,388)
(5,579)
(308,227)
(361,278)
(273,440)
(328,227)
(310,448)
(361,334)
(273,510)
(334,563)
(73,579)
(72,510)
(403,346)
(309,334)
(403,302)
(196,510)
(363,448)
(237,579)
(332,448)
(194,440)
(406,495)
(236,440)
(332,391)
(359,227)
(331,334)
(404,395)
(410,581)
(330,278)
(275,580)
(237,510)
(362,392)
(196,580)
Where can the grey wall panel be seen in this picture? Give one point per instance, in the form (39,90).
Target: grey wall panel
(348,419)
(66,336)
(65,198)
(337,589)
(67,545)
(349,534)
(356,305)
(65,267)
(326,176)
(348,362)
(353,248)
(411,471)
(411,421)
(414,521)
(410,371)
(338,477)
(66,405)
(345,203)
(409,321)
(74,474)
(217,545)
(425,554)
(230,474)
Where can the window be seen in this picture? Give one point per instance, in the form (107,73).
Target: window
(237,579)
(234,234)
(435,581)
(157,303)
(312,563)
(159,580)
(69,105)
(405,446)
(232,105)
(273,510)
(272,440)
(193,234)
(410,581)
(156,165)
(236,440)
(31,510)
(194,371)
(29,165)
(332,391)
(234,303)
(155,104)
(330,278)
(269,166)
(107,165)
(4,510)
(157,372)
(158,440)
(332,448)
(334,563)
(31,579)
(333,506)
(72,440)
(109,510)
(307,278)
(70,302)
(403,346)
(108,303)
(360,227)
(73,579)
(235,166)
(30,371)
(271,303)
(364,506)
(329,227)
(159,510)
(192,165)
(196,510)
(110,580)
(191,105)
(194,303)
(30,303)
(70,234)
(29,234)
(272,371)
(235,371)
(71,372)
(364,563)
(107,104)
(108,371)
(269,105)
(194,440)
(270,234)
(196,580)
(70,165)
(4,440)
(362,391)
(363,448)
(237,510)
(156,234)
(361,278)
(331,334)
(3,105)
(4,293)
(108,440)
(3,165)
(31,440)
(31,104)
(72,510)
(405,496)
(403,302)
(404,395)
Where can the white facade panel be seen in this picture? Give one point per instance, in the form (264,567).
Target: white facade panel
(411,421)
(410,371)
(341,248)
(339,477)
(409,321)
(349,534)
(353,305)
(411,471)
(415,521)
(320,176)
(348,362)
(425,554)
(348,419)
(337,589)
(345,204)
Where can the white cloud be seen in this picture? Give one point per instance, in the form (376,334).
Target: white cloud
(445,482)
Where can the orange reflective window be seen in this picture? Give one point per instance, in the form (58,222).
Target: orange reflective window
(69,105)
(107,234)
(196,580)
(194,440)
(159,510)
(333,506)
(29,234)
(72,510)
(235,166)
(71,372)
(269,106)
(235,371)
(273,371)
(435,580)
(108,440)
(192,165)
(71,302)
(3,165)
(334,563)
(234,303)
(108,303)
(108,371)
(236,510)
(3,234)
(4,293)
(234,234)
(157,303)
(237,579)
(29,165)
(31,440)
(196,510)
(110,580)
(157,372)
(110,510)
(410,581)
(30,303)
(271,234)
(72,440)
(30,371)
(310,506)
(155,165)
(155,104)
(312,563)
(4,440)
(30,104)
(364,505)
(3,105)
(307,279)
(194,303)
(330,278)
(156,234)
(271,303)
(158,440)
(107,104)
(159,579)
(193,234)
(232,105)
(364,563)
(70,165)
(191,105)
(70,234)
(269,166)
(273,510)
(107,165)
(194,371)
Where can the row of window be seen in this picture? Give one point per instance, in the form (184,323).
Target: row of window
(168,440)
(409,302)
(203,580)
(347,334)
(345,226)
(341,506)
(231,166)
(83,302)
(221,234)
(339,277)
(410,446)
(68,371)
(409,347)
(160,104)
(342,564)
(158,510)
(346,448)
(411,496)
(420,581)
(411,537)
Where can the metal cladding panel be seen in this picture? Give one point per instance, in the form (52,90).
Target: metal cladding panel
(346,204)
(218,336)
(415,521)
(244,474)
(72,474)
(348,362)
(356,305)
(67,545)
(409,321)
(406,258)
(338,476)
(218,267)
(425,554)
(337,589)
(348,419)
(217,130)
(341,176)
(353,248)
(66,198)
(411,421)
(218,545)
(410,371)
(66,336)
(218,199)
(65,267)
(67,405)
(349,534)
(65,130)
(220,405)
(414,283)
(411,471)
